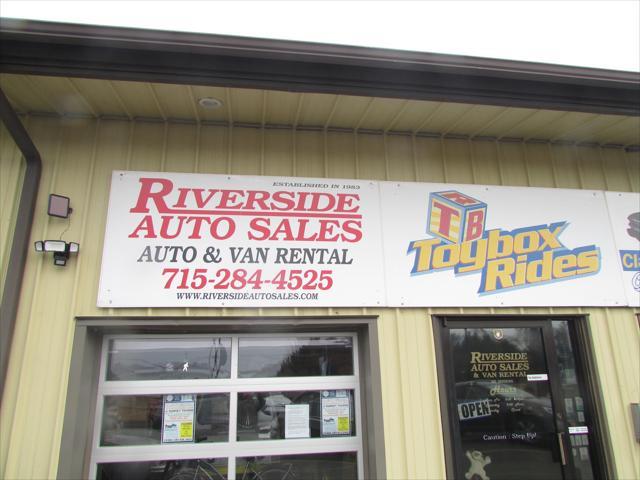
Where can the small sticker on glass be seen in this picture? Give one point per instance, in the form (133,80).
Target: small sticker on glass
(578,430)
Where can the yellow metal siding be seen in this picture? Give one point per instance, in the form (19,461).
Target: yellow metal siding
(78,156)
(617,350)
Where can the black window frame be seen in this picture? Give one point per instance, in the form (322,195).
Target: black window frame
(580,335)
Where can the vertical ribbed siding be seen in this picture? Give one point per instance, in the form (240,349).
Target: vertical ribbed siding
(617,348)
(78,157)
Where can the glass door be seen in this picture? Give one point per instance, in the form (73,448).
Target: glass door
(507,402)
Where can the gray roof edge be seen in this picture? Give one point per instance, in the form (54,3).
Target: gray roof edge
(122,37)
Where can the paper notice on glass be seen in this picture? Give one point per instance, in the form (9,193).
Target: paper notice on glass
(296,421)
(578,430)
(336,413)
(177,418)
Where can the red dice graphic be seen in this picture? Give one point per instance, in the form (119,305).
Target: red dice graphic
(456,217)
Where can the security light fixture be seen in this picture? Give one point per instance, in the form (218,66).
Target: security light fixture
(60,249)
(59,206)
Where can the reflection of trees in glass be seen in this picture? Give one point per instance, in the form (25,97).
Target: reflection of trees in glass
(195,469)
(137,419)
(128,420)
(314,360)
(563,347)
(261,415)
(296,357)
(217,358)
(316,466)
(289,365)
(162,361)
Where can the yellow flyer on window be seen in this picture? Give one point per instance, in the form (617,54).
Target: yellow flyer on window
(178,414)
(336,413)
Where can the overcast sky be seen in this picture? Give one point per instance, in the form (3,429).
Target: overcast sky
(599,34)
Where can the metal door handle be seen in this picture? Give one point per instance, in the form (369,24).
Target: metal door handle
(563,456)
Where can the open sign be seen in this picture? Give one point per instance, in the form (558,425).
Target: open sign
(475,409)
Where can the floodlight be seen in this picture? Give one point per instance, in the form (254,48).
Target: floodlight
(60,249)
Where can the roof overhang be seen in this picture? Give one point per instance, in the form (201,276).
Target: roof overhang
(70,50)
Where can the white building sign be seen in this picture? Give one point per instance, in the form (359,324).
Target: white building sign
(190,240)
(624,211)
(195,240)
(472,245)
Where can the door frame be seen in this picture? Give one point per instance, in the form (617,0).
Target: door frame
(602,460)
(80,408)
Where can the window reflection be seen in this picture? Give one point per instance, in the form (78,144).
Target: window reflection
(199,469)
(169,359)
(503,403)
(325,466)
(573,399)
(138,419)
(263,415)
(295,357)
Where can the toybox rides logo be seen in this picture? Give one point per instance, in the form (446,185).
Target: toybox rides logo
(507,260)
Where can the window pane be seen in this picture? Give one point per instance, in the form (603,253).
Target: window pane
(577,414)
(139,419)
(295,357)
(502,402)
(200,469)
(301,414)
(317,466)
(169,359)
